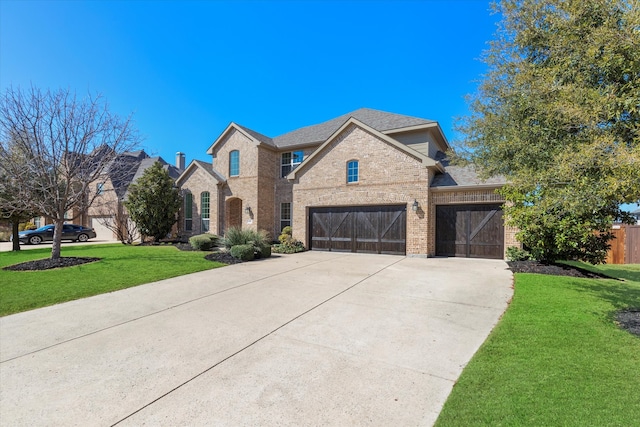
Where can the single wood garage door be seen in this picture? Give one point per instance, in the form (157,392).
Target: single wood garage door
(371,229)
(472,231)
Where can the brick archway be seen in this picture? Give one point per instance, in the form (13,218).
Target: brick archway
(233,213)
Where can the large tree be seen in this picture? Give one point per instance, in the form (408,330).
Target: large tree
(58,145)
(153,202)
(558,114)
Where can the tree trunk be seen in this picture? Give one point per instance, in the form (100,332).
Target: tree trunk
(15,223)
(57,239)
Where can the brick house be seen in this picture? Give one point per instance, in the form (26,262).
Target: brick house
(367,181)
(111,191)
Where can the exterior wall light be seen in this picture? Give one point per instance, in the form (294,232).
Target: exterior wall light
(247,210)
(415,205)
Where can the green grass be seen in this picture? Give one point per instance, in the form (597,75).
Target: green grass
(121,267)
(556,358)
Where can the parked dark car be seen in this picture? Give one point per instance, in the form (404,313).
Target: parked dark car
(77,233)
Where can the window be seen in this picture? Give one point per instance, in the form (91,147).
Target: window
(99,188)
(285,215)
(290,161)
(204,211)
(188,212)
(352,171)
(37,221)
(234,163)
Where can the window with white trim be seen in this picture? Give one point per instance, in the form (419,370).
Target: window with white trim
(285,215)
(352,171)
(290,161)
(204,211)
(234,163)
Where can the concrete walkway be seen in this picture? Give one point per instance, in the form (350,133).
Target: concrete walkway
(315,338)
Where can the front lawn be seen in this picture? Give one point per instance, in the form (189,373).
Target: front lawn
(556,358)
(121,267)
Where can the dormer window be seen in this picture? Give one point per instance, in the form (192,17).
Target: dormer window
(290,161)
(234,163)
(352,171)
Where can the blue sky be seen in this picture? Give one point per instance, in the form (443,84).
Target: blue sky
(187,69)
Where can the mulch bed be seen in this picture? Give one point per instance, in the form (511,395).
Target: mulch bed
(554,269)
(223,257)
(48,263)
(629,320)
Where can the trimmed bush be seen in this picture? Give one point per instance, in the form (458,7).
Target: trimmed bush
(203,242)
(263,251)
(514,253)
(288,245)
(291,247)
(243,252)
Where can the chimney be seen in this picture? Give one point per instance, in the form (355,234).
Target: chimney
(180,160)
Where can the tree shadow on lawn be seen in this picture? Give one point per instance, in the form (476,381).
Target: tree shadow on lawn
(624,298)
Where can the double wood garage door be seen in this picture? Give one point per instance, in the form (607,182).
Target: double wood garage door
(474,231)
(372,229)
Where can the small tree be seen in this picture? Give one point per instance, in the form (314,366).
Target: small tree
(153,202)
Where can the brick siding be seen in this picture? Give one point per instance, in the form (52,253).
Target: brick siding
(387,176)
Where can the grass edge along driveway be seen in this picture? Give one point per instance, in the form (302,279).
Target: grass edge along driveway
(556,357)
(120,267)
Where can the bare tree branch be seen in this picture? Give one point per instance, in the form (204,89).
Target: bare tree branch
(59,146)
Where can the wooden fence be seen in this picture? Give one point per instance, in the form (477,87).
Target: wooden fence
(625,248)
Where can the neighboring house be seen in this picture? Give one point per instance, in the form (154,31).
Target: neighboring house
(367,181)
(112,190)
(636,215)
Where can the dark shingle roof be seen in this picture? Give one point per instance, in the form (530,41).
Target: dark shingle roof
(123,169)
(456,176)
(379,120)
(146,163)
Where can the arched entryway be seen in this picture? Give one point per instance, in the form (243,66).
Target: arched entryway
(233,213)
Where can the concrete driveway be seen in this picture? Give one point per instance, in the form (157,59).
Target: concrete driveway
(317,338)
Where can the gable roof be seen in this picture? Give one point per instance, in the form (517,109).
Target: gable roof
(256,137)
(461,176)
(426,161)
(205,166)
(375,119)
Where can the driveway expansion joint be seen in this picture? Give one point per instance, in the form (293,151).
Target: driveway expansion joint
(252,343)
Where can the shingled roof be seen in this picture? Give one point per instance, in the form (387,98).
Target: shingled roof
(461,176)
(378,120)
(257,135)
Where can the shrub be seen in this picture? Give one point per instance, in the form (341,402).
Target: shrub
(259,240)
(288,245)
(285,235)
(26,226)
(203,242)
(291,247)
(263,251)
(514,253)
(236,236)
(243,252)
